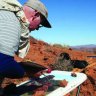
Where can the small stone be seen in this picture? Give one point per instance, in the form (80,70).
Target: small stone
(73,75)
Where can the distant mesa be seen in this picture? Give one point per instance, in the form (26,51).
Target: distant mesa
(84,46)
(88,48)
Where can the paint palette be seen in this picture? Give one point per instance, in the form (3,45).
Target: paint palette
(73,82)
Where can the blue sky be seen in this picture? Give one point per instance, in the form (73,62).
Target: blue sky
(73,22)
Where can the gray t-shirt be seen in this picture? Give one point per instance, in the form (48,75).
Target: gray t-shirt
(10,30)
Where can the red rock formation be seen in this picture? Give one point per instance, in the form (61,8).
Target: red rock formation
(45,54)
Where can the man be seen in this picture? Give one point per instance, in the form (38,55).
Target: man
(16,22)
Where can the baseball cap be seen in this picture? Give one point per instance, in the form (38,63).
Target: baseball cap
(39,6)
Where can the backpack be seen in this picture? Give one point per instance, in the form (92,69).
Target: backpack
(79,64)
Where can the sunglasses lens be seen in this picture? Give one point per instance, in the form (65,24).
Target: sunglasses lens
(39,27)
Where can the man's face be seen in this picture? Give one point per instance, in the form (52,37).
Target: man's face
(33,17)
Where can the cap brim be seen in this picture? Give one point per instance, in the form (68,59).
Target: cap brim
(45,23)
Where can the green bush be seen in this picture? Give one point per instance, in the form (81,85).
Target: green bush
(60,45)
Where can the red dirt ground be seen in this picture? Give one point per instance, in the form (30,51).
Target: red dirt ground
(45,54)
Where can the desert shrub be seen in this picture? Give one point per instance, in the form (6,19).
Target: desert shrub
(63,62)
(61,46)
(57,45)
